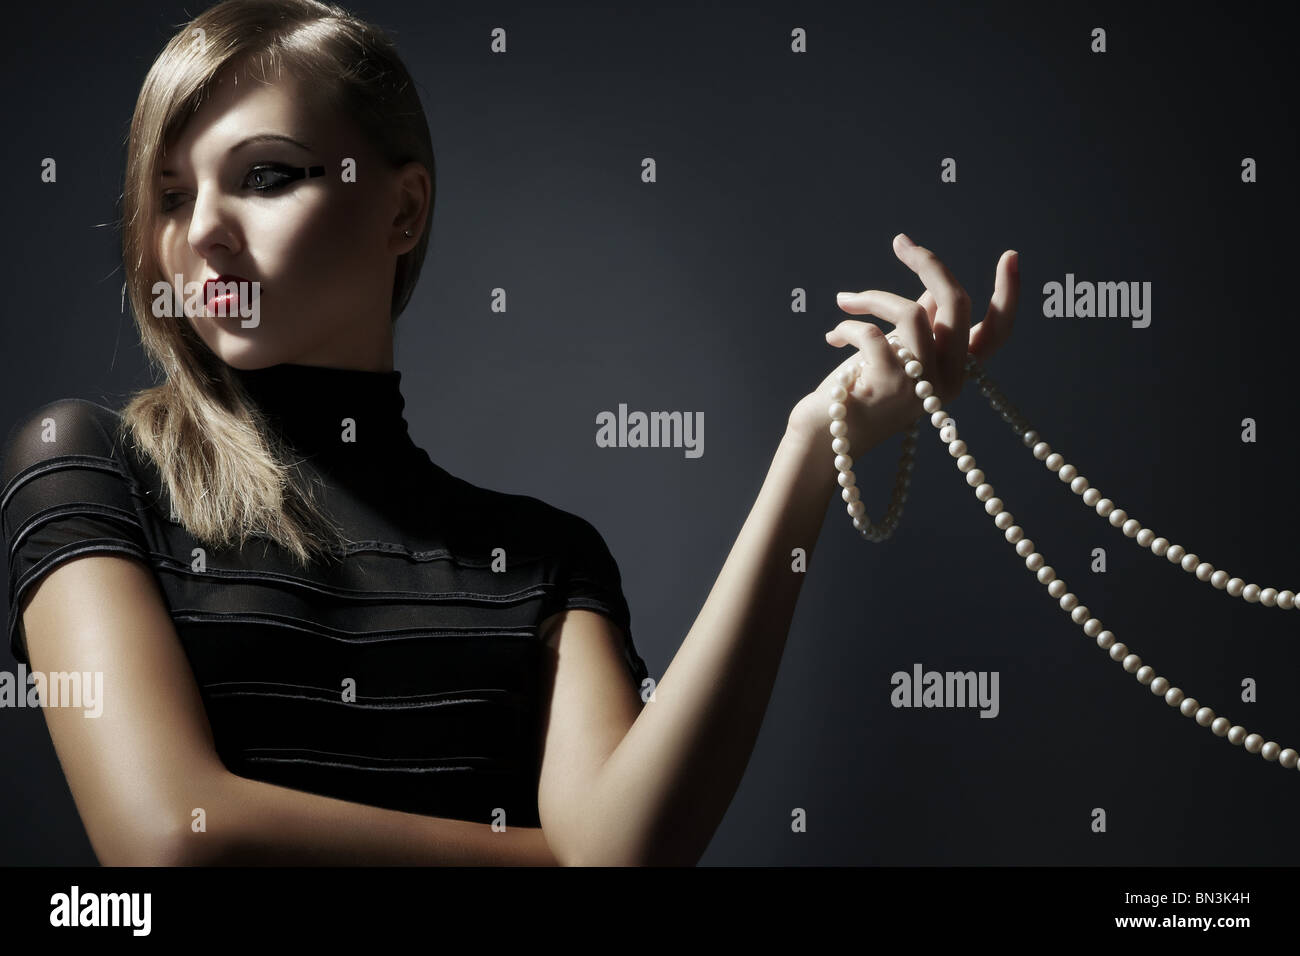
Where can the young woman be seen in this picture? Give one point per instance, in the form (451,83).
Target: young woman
(317,646)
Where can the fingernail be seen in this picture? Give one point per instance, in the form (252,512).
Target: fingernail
(845,296)
(906,240)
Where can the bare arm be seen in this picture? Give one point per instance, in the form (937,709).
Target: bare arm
(139,770)
(631,807)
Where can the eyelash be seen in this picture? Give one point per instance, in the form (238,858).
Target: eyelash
(280,168)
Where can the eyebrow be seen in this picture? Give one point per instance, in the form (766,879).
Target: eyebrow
(257,138)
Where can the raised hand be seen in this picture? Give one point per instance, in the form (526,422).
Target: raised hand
(935,327)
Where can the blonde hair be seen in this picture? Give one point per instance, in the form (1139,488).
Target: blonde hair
(228,474)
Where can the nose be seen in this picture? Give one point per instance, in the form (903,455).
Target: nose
(212,225)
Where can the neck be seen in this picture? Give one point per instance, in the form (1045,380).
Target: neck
(336,416)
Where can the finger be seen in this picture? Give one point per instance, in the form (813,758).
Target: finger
(873,347)
(926,301)
(952,317)
(987,337)
(907,316)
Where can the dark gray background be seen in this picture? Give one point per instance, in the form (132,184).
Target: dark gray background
(779,171)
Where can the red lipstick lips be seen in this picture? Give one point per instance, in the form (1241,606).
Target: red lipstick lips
(227,288)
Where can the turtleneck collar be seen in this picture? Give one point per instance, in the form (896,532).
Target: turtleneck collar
(310,405)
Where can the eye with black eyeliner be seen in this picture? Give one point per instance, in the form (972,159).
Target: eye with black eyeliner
(286,173)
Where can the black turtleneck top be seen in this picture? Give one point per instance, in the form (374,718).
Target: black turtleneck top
(406,675)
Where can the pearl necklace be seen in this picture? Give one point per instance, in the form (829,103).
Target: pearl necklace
(1034,560)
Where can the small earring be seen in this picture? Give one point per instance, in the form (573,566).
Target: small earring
(407,233)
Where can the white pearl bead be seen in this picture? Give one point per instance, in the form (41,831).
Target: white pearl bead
(1029,438)
(1105,639)
(924,389)
(1092,627)
(1173,697)
(1145,673)
(1250,593)
(1144,537)
(1190,562)
(965,463)
(1034,561)
(1189,706)
(1069,601)
(932,403)
(1079,485)
(857,508)
(1236,735)
(843,463)
(984,492)
(993,506)
(1118,651)
(1270,750)
(1159,685)
(1253,743)
(837,411)
(1046,574)
(1220,726)
(845,478)
(1024,547)
(1268,597)
(938,418)
(840,446)
(1080,615)
(839,429)
(1132,663)
(1042,450)
(957,448)
(1219,579)
(1204,570)
(1014,534)
(839,393)
(1118,517)
(1286,599)
(1091,497)
(1054,462)
(1105,506)
(1057,588)
(1204,715)
(975,477)
(1004,520)
(850,493)
(1159,546)
(1288,758)
(1175,553)
(913,369)
(1235,586)
(948,433)
(1131,527)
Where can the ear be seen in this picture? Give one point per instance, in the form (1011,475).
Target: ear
(414,193)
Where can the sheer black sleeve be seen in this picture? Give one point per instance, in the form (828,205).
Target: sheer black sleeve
(592,582)
(65,493)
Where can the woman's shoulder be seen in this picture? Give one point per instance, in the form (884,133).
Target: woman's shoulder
(544,524)
(57,429)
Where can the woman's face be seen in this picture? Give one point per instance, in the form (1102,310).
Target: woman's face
(322,249)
